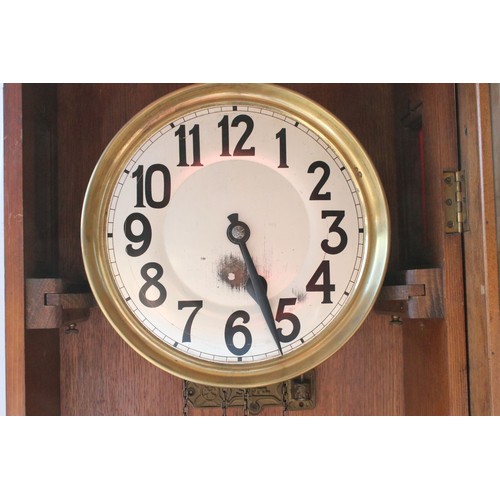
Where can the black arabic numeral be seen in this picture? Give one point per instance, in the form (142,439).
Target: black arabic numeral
(282,315)
(316,195)
(239,150)
(143,237)
(224,124)
(152,282)
(327,287)
(334,228)
(139,175)
(281,136)
(144,186)
(231,330)
(195,132)
(197,305)
(181,134)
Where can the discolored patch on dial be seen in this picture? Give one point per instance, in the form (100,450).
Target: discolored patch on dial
(231,271)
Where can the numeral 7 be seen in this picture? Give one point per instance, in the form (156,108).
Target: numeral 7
(197,305)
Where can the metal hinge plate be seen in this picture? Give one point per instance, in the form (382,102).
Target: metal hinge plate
(455,202)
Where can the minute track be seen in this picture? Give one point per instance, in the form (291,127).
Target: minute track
(280,119)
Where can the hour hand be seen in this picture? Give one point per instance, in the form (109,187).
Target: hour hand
(238,233)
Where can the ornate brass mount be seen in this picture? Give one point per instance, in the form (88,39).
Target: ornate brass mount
(296,394)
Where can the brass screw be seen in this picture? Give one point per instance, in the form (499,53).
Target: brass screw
(254,408)
(71,329)
(396,321)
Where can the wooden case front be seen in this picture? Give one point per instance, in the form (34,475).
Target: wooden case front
(54,137)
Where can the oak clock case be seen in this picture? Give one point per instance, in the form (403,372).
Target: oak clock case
(235,235)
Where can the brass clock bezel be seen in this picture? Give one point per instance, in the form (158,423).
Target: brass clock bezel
(166,110)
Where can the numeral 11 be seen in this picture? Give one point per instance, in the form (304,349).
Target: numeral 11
(181,134)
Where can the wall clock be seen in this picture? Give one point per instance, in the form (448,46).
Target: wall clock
(235,234)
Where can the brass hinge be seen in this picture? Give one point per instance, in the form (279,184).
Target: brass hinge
(455,202)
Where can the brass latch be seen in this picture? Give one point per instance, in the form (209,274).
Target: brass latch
(455,202)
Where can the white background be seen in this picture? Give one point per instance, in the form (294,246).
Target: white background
(223,40)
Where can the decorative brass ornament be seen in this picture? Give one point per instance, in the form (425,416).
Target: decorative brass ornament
(292,395)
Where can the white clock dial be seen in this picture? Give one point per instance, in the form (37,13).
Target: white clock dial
(170,255)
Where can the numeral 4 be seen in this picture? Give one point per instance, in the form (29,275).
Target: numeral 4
(326,287)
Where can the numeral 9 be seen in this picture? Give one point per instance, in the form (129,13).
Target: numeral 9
(144,236)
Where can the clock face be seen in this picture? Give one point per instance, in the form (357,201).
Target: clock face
(236,239)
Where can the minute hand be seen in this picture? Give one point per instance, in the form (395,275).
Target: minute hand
(238,233)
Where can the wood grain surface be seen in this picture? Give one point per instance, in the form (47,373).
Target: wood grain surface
(481,263)
(435,367)
(100,374)
(419,368)
(41,259)
(14,249)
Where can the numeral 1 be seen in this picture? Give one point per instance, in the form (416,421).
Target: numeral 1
(281,136)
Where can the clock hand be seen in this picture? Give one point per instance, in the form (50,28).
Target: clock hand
(238,233)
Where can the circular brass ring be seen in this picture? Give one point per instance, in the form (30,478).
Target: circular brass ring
(299,108)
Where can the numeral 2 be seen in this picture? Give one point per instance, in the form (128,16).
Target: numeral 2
(316,194)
